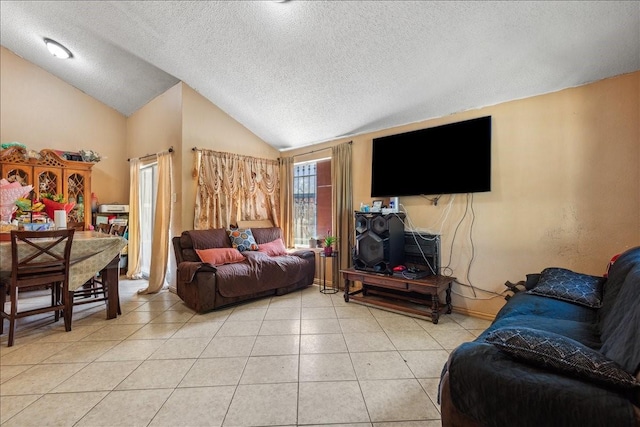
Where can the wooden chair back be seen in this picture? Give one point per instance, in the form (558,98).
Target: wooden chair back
(38,258)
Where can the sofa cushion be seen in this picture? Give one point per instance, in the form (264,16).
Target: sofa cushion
(568,285)
(220,256)
(242,239)
(562,354)
(275,248)
(266,234)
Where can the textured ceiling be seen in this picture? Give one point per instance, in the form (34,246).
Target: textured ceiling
(301,72)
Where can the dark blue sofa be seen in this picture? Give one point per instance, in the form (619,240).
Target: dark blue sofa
(488,383)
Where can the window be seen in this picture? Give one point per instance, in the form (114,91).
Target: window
(311,201)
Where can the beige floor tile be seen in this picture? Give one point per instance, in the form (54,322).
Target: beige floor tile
(271,345)
(425,363)
(113,332)
(218,316)
(320,326)
(324,403)
(157,305)
(237,329)
(33,353)
(154,331)
(282,313)
(98,376)
(322,343)
(290,359)
(11,405)
(289,300)
(430,386)
(223,346)
(372,341)
(181,348)
(351,311)
(326,367)
(246,314)
(126,408)
(9,371)
(82,351)
(157,374)
(359,324)
(133,317)
(40,379)
(280,327)
(201,406)
(315,312)
(75,334)
(198,329)
(397,400)
(380,365)
(173,316)
(413,340)
(63,409)
(450,339)
(270,369)
(398,323)
(131,350)
(271,405)
(214,372)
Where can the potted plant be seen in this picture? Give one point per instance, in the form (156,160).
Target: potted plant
(328,244)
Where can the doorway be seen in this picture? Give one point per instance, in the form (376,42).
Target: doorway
(148,190)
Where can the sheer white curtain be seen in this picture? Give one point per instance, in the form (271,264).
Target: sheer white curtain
(161,225)
(133,250)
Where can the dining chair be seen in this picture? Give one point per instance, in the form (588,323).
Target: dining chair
(38,258)
(104,228)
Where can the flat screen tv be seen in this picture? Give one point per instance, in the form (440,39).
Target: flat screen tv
(448,159)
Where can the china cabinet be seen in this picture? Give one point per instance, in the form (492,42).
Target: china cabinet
(49,172)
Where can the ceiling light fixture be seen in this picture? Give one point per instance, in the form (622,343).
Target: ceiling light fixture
(57,49)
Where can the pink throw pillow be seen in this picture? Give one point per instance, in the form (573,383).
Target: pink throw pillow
(220,256)
(274,248)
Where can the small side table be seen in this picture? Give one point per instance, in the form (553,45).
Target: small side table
(324,260)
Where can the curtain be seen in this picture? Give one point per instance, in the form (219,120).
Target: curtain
(232,187)
(161,226)
(133,249)
(342,183)
(286,196)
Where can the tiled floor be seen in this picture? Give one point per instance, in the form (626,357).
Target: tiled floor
(304,358)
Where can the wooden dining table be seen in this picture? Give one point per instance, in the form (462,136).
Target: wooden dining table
(91,252)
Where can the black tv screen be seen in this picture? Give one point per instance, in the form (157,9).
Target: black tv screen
(448,159)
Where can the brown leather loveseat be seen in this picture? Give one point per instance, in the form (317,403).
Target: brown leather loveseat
(204,287)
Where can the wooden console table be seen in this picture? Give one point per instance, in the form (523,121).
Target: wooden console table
(399,293)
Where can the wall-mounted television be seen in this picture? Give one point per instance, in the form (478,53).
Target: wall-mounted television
(448,159)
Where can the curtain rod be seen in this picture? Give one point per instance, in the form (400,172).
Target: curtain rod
(315,151)
(147,156)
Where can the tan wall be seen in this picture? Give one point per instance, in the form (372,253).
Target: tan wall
(41,111)
(565,188)
(207,126)
(566,181)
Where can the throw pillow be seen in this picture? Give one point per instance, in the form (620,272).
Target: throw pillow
(275,248)
(242,239)
(219,256)
(562,354)
(567,285)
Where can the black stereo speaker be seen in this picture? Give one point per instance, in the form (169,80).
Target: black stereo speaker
(379,244)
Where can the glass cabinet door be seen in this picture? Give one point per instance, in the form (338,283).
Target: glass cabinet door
(76,188)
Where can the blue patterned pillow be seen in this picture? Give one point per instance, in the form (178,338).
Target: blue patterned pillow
(242,239)
(561,354)
(567,285)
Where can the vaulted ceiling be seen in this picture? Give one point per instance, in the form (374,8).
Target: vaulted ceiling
(297,73)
